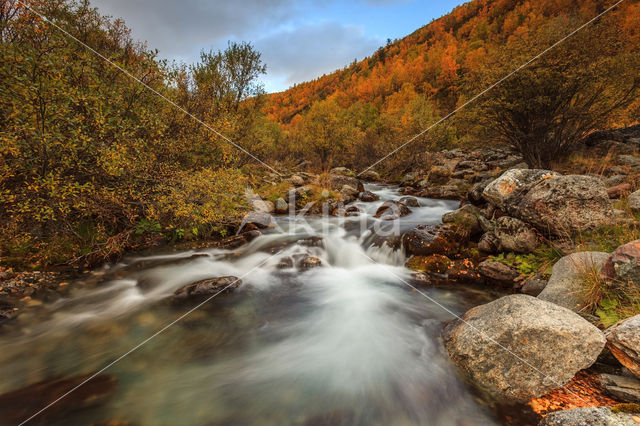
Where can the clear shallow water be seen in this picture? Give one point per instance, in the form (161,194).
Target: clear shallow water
(346,343)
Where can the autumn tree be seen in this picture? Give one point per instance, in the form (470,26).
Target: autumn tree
(88,155)
(223,79)
(545,109)
(324,133)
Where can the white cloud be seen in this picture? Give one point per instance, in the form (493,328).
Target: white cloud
(306,52)
(180,28)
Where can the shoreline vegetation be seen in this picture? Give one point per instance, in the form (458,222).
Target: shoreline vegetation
(546,167)
(92,161)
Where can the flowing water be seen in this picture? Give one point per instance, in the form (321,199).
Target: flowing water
(346,343)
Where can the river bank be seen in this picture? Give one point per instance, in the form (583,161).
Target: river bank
(341,270)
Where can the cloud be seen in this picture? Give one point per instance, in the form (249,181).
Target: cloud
(180,28)
(306,52)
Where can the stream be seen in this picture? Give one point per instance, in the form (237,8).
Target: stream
(347,343)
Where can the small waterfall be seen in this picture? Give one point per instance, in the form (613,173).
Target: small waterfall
(344,343)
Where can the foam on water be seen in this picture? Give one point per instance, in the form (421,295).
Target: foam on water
(345,343)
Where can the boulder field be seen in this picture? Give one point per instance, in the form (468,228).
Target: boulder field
(522,346)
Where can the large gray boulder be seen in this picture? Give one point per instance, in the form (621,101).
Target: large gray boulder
(551,202)
(515,235)
(565,287)
(505,191)
(623,340)
(588,416)
(519,347)
(201,290)
(564,205)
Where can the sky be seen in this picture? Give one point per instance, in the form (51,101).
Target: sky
(299,39)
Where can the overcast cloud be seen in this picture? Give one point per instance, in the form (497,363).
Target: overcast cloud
(299,39)
(307,52)
(180,28)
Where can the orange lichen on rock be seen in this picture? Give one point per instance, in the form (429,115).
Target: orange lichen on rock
(583,390)
(507,187)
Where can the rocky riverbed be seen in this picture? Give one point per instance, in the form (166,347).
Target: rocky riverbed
(469,308)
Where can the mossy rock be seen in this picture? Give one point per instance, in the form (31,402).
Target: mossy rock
(437,264)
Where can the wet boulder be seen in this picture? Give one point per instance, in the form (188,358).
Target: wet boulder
(464,271)
(551,339)
(436,263)
(505,191)
(409,201)
(309,262)
(565,287)
(588,416)
(203,289)
(8,310)
(368,197)
(515,235)
(563,205)
(352,211)
(392,209)
(498,273)
(465,218)
(623,340)
(285,263)
(425,240)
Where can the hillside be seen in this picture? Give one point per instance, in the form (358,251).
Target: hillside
(445,62)
(435,59)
